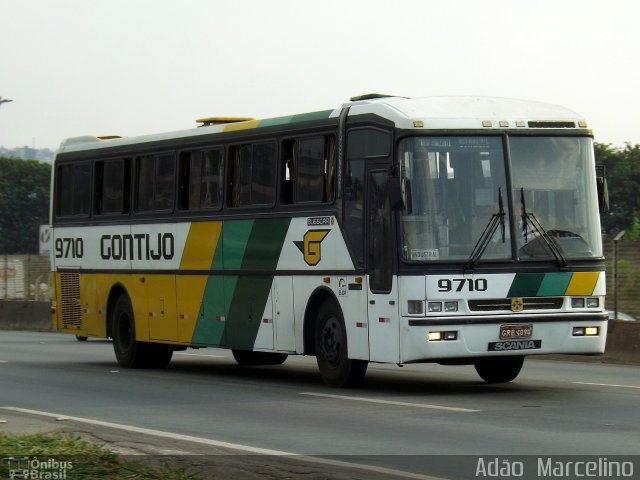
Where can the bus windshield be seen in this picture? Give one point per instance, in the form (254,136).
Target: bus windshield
(456,184)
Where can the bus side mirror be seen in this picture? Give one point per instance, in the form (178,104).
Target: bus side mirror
(603,189)
(603,194)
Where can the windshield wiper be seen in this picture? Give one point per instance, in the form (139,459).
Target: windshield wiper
(528,218)
(496,220)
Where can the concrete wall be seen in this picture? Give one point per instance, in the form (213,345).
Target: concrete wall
(623,340)
(25,315)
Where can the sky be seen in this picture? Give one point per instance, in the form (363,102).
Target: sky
(135,67)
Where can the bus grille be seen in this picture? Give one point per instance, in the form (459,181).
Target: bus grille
(534,303)
(70,293)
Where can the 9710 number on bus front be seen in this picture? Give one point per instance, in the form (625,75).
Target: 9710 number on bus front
(460,284)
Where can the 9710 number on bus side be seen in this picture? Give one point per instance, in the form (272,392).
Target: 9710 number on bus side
(69,247)
(459,284)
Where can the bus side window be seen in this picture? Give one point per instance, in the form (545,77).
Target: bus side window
(111,187)
(288,155)
(308,169)
(73,196)
(155,179)
(252,179)
(201,180)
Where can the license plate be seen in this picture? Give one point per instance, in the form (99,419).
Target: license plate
(516,331)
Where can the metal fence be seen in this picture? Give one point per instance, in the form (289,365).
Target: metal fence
(26,277)
(623,276)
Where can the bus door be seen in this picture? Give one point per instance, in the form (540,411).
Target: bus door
(384,326)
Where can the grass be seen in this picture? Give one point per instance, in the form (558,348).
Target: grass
(87,461)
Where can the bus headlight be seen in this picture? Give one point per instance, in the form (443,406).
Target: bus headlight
(415,307)
(593,302)
(586,331)
(434,307)
(577,303)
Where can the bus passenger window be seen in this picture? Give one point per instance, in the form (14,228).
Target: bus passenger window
(111,187)
(73,190)
(308,169)
(201,180)
(252,177)
(155,180)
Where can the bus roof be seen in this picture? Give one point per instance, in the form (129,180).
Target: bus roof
(429,113)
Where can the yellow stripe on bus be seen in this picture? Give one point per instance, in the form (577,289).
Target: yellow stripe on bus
(200,246)
(233,127)
(582,283)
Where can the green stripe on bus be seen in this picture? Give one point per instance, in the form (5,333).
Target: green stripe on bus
(554,284)
(525,285)
(540,284)
(232,305)
(251,292)
(271,122)
(308,117)
(235,238)
(303,117)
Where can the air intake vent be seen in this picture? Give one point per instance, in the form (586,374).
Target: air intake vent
(551,124)
(536,303)
(70,292)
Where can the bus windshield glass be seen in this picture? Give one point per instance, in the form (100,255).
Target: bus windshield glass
(456,184)
(554,187)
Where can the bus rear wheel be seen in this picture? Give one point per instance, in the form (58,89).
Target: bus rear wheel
(129,352)
(499,369)
(336,368)
(248,358)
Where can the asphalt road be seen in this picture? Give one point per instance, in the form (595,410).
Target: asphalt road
(399,418)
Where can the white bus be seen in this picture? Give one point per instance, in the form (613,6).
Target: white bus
(455,230)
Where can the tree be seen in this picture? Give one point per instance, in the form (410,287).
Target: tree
(623,178)
(24,204)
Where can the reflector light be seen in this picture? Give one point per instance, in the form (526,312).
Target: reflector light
(591,331)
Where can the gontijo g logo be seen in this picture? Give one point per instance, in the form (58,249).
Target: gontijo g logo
(310,246)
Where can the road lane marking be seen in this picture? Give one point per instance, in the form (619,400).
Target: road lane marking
(199,355)
(606,385)
(3,361)
(232,446)
(392,402)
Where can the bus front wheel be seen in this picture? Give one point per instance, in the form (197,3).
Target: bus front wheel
(336,368)
(499,369)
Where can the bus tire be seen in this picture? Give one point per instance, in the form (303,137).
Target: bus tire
(156,355)
(248,358)
(499,369)
(129,352)
(81,338)
(332,356)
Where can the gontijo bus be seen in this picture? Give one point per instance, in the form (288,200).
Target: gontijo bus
(450,230)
